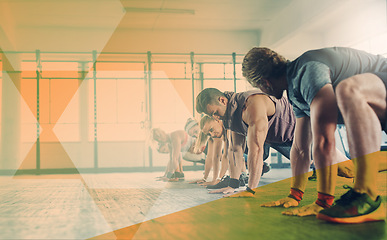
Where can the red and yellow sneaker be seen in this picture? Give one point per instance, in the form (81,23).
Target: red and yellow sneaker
(354,207)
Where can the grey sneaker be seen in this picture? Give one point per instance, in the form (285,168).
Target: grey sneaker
(224,182)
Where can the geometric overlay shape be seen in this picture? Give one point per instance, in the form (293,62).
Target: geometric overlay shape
(127,199)
(27,131)
(35,208)
(68,134)
(234,218)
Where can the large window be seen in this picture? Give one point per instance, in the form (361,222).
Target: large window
(115,102)
(171,98)
(120,101)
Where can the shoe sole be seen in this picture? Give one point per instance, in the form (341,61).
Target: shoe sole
(377,215)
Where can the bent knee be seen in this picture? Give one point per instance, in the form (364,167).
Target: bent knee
(348,88)
(349,92)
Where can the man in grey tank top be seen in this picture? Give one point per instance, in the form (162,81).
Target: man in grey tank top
(255,116)
(329,86)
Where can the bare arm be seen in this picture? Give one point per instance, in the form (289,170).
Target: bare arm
(300,153)
(215,152)
(217,146)
(323,118)
(300,161)
(256,136)
(225,161)
(209,159)
(255,115)
(176,139)
(257,110)
(235,154)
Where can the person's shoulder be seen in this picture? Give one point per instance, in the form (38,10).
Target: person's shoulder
(251,92)
(260,99)
(260,103)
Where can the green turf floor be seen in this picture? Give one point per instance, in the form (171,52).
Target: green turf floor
(243,218)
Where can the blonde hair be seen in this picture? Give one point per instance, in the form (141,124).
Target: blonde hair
(156,134)
(155,138)
(202,139)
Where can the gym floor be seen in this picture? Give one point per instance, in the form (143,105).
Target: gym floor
(136,206)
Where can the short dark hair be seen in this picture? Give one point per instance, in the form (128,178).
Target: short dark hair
(262,63)
(207,96)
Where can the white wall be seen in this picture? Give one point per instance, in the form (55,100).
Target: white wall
(137,40)
(341,23)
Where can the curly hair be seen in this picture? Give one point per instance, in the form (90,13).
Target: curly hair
(262,63)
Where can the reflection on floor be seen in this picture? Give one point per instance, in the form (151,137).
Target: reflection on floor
(88,205)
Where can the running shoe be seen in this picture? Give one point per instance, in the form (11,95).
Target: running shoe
(354,207)
(243,179)
(176,176)
(179,175)
(224,182)
(265,168)
(314,176)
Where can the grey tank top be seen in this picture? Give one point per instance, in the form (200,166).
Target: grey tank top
(281,125)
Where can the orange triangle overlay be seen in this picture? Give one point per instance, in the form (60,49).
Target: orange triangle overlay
(232,218)
(59,108)
(7,67)
(48,135)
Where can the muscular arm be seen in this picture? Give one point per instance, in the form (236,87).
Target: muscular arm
(255,115)
(255,138)
(235,154)
(323,118)
(300,160)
